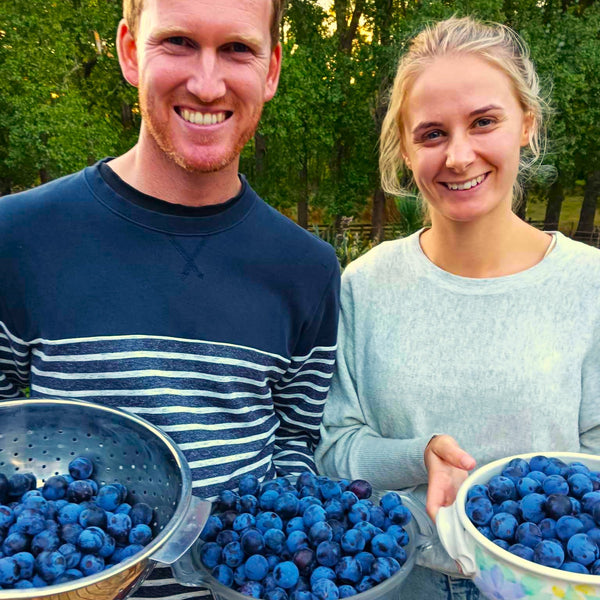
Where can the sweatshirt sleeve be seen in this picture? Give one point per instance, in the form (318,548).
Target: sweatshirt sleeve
(300,395)
(14,362)
(589,416)
(350,447)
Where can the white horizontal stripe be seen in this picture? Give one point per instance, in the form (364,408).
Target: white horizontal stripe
(155,355)
(215,427)
(112,338)
(13,395)
(299,411)
(304,397)
(187,446)
(141,373)
(155,582)
(308,384)
(322,361)
(321,374)
(205,410)
(7,335)
(297,424)
(18,363)
(149,392)
(223,460)
(315,349)
(229,476)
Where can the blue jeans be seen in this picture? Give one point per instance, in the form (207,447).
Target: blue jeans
(425,584)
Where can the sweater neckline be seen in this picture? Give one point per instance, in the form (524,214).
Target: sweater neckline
(489,285)
(148,212)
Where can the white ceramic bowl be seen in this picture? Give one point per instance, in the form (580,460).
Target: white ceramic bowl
(499,574)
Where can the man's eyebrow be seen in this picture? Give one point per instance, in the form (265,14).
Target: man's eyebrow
(178,31)
(473,113)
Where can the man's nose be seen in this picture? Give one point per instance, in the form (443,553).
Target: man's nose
(206,81)
(460,153)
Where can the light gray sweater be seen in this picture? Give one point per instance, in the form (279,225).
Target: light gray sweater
(505,365)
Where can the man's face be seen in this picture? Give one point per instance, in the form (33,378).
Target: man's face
(204,69)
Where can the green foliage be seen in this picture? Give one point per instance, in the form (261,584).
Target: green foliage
(348,245)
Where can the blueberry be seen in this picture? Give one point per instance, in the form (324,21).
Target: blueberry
(227,535)
(248,484)
(328,553)
(243,521)
(304,479)
(140,534)
(68,575)
(548,528)
(119,525)
(30,522)
(223,574)
(582,549)
(503,526)
(19,483)
(109,497)
(212,528)
(338,528)
(90,540)
(108,547)
(50,565)
(361,488)
(295,524)
(324,589)
(267,499)
(574,567)
(510,506)
(501,488)
(479,510)
(26,563)
(95,516)
(276,593)
(521,551)
(353,542)
(476,490)
(124,507)
(580,484)
(549,553)
(297,540)
(502,543)
(533,507)
(268,520)
(124,552)
(312,514)
(360,512)
(391,499)
(486,532)
(527,485)
(23,584)
(348,499)
(555,484)
(256,567)
(249,504)
(330,489)
(252,541)
(91,564)
(588,500)
(334,509)
(45,540)
(399,533)
(274,540)
(304,559)
(79,491)
(141,514)
(322,572)
(252,589)
(321,531)
(7,517)
(346,591)
(9,570)
(348,570)
(567,526)
(555,467)
(538,463)
(210,554)
(528,534)
(558,505)
(81,468)
(70,532)
(72,555)
(380,570)
(368,530)
(228,500)
(400,515)
(383,545)
(587,521)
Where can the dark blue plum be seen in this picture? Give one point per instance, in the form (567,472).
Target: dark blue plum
(527,485)
(322,572)
(549,553)
(223,574)
(348,570)
(252,541)
(26,562)
(347,590)
(313,514)
(268,520)
(95,516)
(19,483)
(268,499)
(70,532)
(504,526)
(353,542)
(9,570)
(256,567)
(324,589)
(348,499)
(14,543)
(574,567)
(361,488)
(249,504)
(321,531)
(81,468)
(521,551)
(3,488)
(72,555)
(528,534)
(274,540)
(140,534)
(501,488)
(212,528)
(55,488)
(211,554)
(400,515)
(305,560)
(80,491)
(557,506)
(227,535)
(141,514)
(479,510)
(533,507)
(90,564)
(119,525)
(286,575)
(45,540)
(90,540)
(582,549)
(555,484)
(476,490)
(109,497)
(50,565)
(568,526)
(548,528)
(334,509)
(399,533)
(296,540)
(30,522)
(243,522)
(7,517)
(328,553)
(580,484)
(248,484)
(252,588)
(538,463)
(330,490)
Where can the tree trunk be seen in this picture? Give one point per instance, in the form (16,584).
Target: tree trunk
(378,216)
(521,208)
(260,150)
(588,207)
(5,186)
(556,195)
(302,204)
(44,176)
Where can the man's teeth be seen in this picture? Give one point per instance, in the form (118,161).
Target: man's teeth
(467,185)
(202,118)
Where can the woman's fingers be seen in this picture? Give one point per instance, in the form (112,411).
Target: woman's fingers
(447,448)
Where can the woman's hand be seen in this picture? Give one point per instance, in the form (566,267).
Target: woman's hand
(447,465)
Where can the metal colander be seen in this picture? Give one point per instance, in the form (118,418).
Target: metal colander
(42,436)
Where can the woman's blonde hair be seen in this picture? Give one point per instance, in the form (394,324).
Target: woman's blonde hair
(497,44)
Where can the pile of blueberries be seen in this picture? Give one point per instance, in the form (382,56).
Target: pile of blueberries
(544,510)
(68,529)
(317,539)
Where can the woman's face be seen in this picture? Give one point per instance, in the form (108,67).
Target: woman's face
(463,131)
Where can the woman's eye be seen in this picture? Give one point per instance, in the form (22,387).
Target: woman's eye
(432,135)
(484,122)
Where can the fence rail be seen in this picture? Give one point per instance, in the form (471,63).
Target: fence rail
(391,231)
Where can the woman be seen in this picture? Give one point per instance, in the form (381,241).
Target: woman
(478,331)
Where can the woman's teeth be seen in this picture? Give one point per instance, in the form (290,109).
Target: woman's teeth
(467,185)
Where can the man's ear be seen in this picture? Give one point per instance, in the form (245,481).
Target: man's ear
(273,73)
(127,51)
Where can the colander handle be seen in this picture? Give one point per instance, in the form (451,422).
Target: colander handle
(454,539)
(186,534)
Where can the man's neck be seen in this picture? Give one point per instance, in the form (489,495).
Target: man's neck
(166,180)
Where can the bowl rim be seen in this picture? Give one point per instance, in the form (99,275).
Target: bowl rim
(506,556)
(184,499)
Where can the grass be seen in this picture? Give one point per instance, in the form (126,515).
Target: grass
(569,214)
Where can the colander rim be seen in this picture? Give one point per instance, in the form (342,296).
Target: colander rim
(167,532)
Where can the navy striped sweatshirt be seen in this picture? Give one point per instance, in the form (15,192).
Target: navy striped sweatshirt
(217,324)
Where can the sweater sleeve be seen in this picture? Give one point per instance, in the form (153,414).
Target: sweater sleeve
(300,395)
(589,416)
(14,362)
(350,446)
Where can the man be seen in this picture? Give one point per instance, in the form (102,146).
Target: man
(159,282)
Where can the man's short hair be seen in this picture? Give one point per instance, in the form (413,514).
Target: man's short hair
(132,9)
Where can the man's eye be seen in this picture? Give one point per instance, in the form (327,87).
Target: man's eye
(238,47)
(177,40)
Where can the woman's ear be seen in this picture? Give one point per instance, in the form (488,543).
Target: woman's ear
(127,51)
(528,129)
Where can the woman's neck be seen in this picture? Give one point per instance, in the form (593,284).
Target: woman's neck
(478,250)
